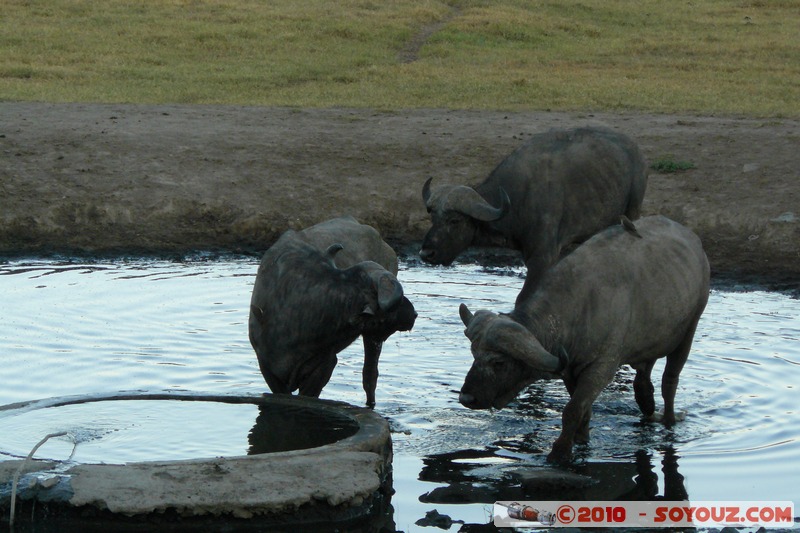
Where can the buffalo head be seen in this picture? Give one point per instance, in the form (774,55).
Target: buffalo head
(455,211)
(388,310)
(507,359)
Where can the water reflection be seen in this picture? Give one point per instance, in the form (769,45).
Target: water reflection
(148,427)
(486,476)
(280,428)
(161,325)
(482,476)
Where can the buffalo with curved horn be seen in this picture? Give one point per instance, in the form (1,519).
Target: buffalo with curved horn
(629,295)
(556,190)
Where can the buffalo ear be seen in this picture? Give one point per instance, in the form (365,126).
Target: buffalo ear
(358,319)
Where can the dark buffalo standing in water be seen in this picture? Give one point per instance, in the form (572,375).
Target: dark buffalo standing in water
(558,189)
(622,297)
(316,291)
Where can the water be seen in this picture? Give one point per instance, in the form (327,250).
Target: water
(124,431)
(70,328)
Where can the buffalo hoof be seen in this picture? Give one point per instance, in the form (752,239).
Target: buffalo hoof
(679,416)
(644,398)
(560,455)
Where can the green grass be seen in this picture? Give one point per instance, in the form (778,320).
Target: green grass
(705,56)
(668,165)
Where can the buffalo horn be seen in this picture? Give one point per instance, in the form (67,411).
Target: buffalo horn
(516,341)
(465,314)
(426,191)
(390,292)
(474,325)
(333,249)
(466,200)
(388,289)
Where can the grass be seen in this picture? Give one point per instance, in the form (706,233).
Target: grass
(704,56)
(668,165)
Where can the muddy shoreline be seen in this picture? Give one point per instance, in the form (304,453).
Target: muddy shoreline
(100,180)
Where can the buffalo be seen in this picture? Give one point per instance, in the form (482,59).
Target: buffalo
(316,291)
(629,295)
(556,190)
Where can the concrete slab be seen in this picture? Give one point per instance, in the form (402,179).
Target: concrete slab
(336,480)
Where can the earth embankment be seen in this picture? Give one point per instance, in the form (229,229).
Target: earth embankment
(85,178)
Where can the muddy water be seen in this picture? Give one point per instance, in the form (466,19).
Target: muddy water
(74,327)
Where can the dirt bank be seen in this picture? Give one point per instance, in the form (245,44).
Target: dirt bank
(82,178)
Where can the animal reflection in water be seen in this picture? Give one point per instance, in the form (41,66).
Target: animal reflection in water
(465,478)
(280,428)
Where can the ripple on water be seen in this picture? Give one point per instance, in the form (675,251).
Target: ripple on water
(71,328)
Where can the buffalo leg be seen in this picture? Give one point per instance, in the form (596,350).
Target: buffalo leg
(578,411)
(369,374)
(314,381)
(672,371)
(582,433)
(643,388)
